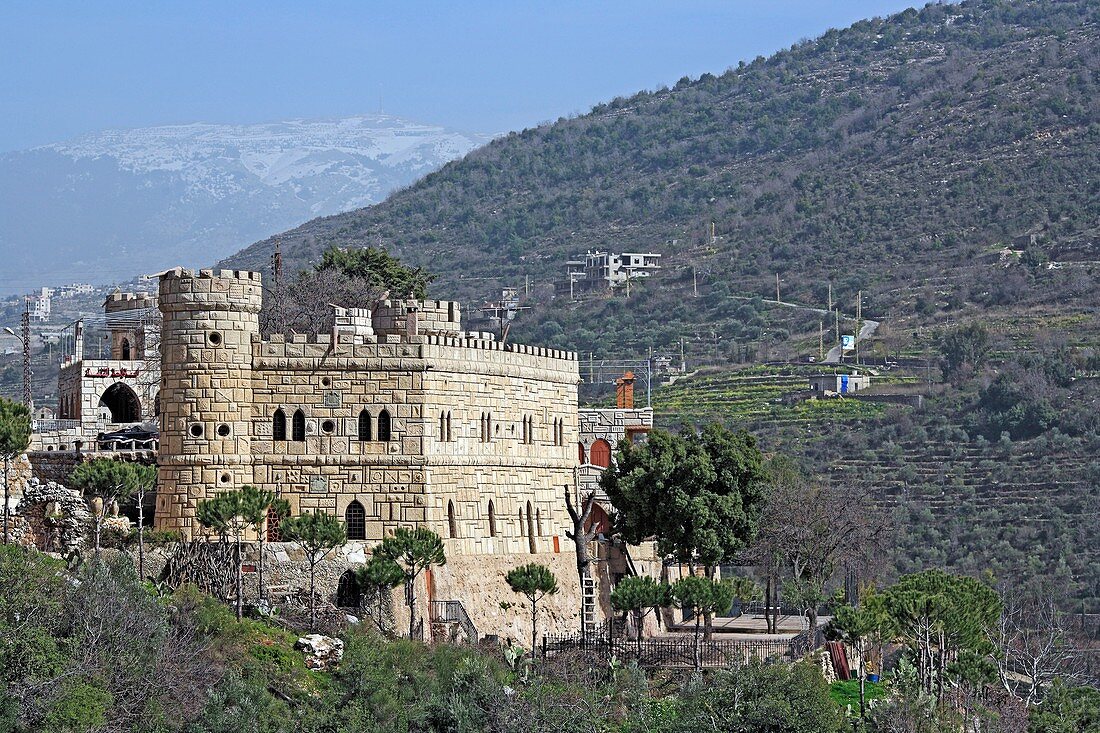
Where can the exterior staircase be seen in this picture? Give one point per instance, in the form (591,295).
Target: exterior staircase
(450,622)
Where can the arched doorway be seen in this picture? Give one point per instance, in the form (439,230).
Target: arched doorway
(348,592)
(600,454)
(122,402)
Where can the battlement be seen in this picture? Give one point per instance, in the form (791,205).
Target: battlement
(183,290)
(417,317)
(183,273)
(118,302)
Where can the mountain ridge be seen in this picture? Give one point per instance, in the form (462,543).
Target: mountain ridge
(157,196)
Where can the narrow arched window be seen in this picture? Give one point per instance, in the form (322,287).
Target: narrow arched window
(452,525)
(355,517)
(449,437)
(530,529)
(484,428)
(364,425)
(442,426)
(126,349)
(298,428)
(538,522)
(278,426)
(492,519)
(384,426)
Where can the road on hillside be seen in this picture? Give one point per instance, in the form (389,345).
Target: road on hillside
(835,353)
(833,357)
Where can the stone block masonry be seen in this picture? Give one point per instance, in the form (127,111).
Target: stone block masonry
(396,419)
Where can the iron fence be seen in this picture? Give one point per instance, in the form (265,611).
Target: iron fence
(679,652)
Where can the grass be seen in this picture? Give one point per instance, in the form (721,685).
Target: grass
(846,692)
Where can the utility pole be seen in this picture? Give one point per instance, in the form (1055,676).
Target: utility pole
(777,288)
(821,340)
(526,285)
(694,282)
(683,363)
(26,324)
(838,339)
(859,316)
(830,297)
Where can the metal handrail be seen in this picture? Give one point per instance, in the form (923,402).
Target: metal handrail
(453,612)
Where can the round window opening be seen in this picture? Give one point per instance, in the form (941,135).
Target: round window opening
(223,430)
(196,430)
(215,338)
(326,382)
(226,478)
(328,426)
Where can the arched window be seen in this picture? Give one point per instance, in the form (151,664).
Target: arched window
(442,426)
(538,522)
(355,517)
(126,349)
(384,426)
(298,429)
(364,425)
(449,438)
(492,519)
(278,426)
(452,525)
(530,529)
(600,455)
(484,428)
(580,453)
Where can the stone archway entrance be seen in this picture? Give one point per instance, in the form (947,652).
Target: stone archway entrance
(123,403)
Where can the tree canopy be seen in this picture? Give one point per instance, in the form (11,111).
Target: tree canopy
(699,494)
(379,269)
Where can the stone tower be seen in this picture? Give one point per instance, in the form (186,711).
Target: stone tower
(209,322)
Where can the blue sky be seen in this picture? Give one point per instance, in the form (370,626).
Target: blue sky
(72,67)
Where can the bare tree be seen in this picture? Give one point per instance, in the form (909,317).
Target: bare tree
(582,535)
(1036,645)
(813,530)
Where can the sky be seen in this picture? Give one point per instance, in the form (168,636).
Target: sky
(488,66)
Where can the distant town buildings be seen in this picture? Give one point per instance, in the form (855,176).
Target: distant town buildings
(597,270)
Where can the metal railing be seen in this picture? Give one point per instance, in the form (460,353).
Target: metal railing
(55,426)
(453,612)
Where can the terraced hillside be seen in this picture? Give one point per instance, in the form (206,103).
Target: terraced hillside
(1023,509)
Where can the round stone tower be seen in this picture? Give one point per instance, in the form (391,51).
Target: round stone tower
(209,322)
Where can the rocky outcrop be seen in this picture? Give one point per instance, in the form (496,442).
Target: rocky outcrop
(53,518)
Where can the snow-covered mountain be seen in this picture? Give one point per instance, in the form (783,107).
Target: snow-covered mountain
(114,203)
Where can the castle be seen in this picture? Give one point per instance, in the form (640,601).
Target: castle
(397,418)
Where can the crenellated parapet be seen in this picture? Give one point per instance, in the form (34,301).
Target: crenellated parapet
(223,290)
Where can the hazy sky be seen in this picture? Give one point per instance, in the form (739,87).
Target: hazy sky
(487,66)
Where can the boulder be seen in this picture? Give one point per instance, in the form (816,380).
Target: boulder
(321,652)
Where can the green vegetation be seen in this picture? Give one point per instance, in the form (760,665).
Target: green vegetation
(318,534)
(700,495)
(413,550)
(845,693)
(534,582)
(897,156)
